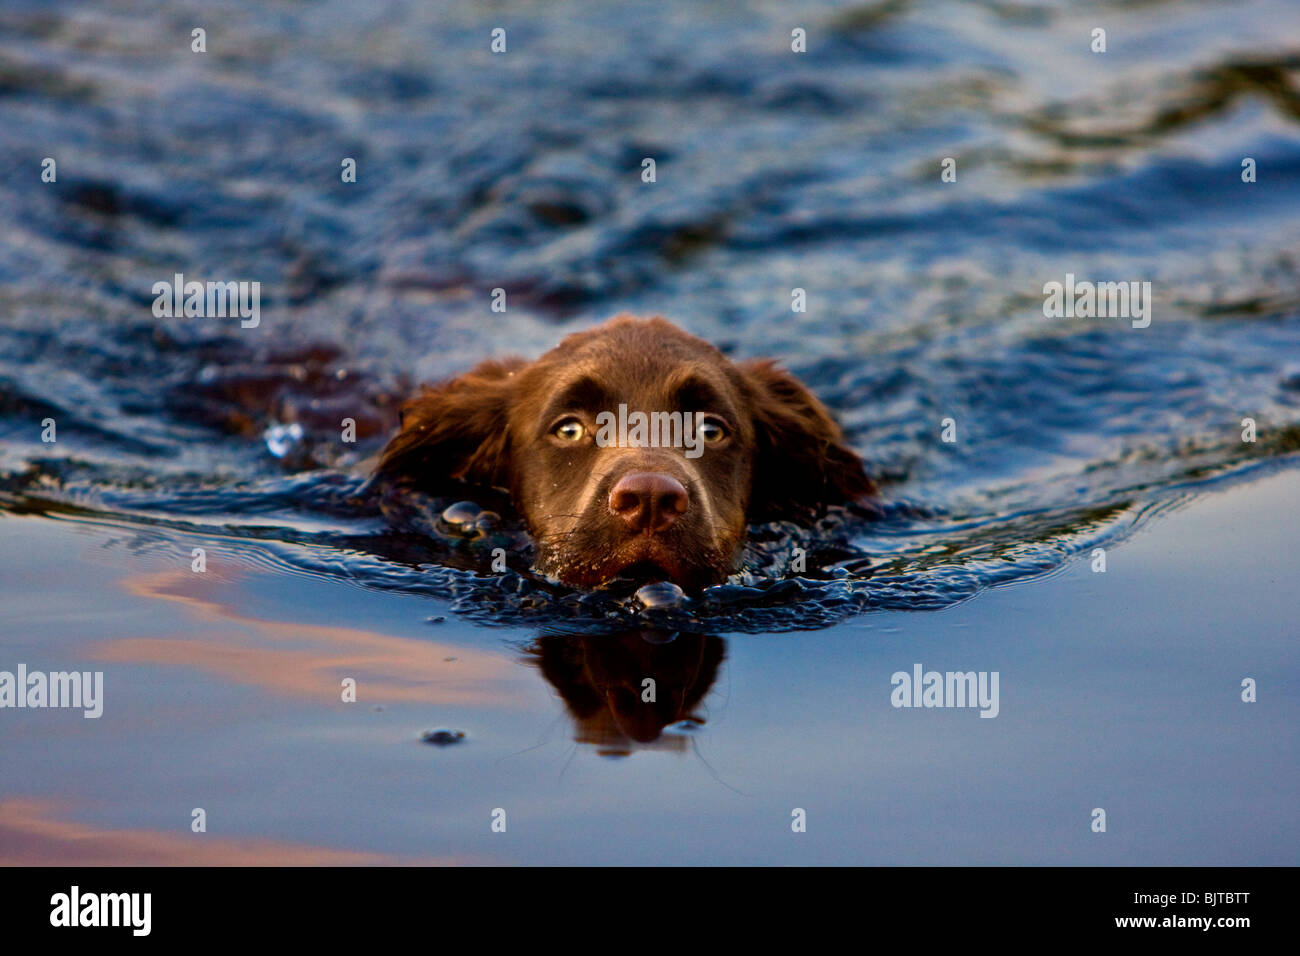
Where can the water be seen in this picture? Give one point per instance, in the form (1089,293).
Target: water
(521,171)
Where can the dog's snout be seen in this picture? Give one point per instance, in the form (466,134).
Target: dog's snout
(648,501)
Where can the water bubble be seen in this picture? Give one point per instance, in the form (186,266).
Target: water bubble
(660,594)
(460,518)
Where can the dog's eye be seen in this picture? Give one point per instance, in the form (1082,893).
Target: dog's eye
(712,430)
(569,430)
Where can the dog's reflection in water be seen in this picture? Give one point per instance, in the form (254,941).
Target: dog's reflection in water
(623,690)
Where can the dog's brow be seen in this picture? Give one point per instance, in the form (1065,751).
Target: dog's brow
(694,393)
(582,393)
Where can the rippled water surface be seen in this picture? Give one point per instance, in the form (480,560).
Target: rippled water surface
(775,171)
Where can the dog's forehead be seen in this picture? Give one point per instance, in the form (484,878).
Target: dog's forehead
(636,359)
(625,338)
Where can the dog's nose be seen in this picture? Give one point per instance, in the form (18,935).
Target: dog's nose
(648,501)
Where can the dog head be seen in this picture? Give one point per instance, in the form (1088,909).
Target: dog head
(631,449)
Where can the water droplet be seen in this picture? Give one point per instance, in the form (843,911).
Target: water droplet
(280,439)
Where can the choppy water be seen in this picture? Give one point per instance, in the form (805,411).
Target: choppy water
(774,171)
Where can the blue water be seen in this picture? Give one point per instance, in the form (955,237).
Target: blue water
(522,171)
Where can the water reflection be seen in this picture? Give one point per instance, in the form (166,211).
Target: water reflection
(38,832)
(624,691)
(638,689)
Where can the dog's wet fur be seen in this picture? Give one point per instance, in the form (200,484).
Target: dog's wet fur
(772,451)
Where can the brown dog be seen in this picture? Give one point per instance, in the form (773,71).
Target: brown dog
(605,492)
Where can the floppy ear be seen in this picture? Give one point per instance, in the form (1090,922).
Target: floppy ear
(455,430)
(802,461)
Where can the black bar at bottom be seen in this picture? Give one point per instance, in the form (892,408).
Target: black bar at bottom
(925,905)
